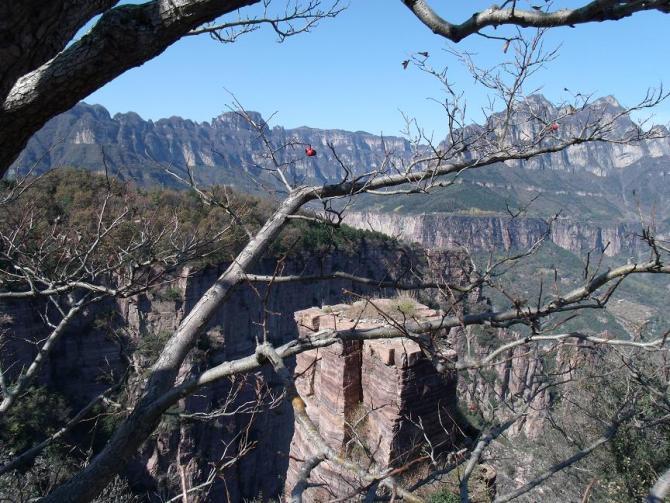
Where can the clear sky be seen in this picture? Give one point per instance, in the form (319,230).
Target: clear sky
(347,72)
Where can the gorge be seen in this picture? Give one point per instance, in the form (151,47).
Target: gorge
(601,217)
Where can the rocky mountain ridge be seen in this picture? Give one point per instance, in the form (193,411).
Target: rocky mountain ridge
(226,150)
(535,113)
(88,137)
(602,182)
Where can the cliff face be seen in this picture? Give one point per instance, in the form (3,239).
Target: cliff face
(383,404)
(112,336)
(367,399)
(225,150)
(445,231)
(384,388)
(519,378)
(235,329)
(597,157)
(591,181)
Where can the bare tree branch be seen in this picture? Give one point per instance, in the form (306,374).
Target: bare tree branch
(597,10)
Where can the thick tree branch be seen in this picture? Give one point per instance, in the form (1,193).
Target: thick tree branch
(125,37)
(144,418)
(597,10)
(40,30)
(484,440)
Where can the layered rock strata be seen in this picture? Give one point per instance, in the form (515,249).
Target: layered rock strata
(87,136)
(374,401)
(448,231)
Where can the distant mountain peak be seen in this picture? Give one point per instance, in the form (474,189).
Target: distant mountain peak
(236,120)
(609,100)
(538,100)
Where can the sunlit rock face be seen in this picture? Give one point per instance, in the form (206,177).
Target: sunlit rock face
(383,403)
(368,396)
(445,231)
(225,150)
(533,115)
(228,149)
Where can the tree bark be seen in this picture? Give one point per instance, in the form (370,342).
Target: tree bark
(124,37)
(34,31)
(494,16)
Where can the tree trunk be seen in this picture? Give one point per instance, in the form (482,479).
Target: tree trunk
(124,37)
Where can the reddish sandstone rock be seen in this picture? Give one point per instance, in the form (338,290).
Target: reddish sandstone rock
(376,391)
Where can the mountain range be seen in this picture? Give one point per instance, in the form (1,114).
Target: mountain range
(592,181)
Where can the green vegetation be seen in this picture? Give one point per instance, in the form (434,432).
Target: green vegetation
(639,458)
(151,344)
(443,496)
(406,306)
(486,336)
(71,200)
(304,236)
(400,307)
(41,412)
(447,490)
(171,294)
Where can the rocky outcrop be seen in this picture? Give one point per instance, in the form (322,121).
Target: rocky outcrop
(447,231)
(112,336)
(234,331)
(368,399)
(520,378)
(534,374)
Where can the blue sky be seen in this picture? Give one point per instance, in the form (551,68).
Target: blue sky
(347,73)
